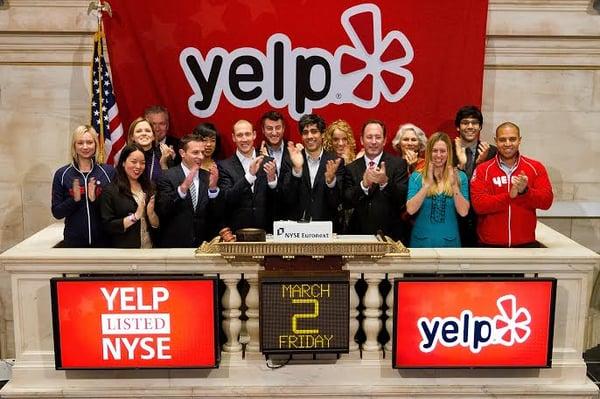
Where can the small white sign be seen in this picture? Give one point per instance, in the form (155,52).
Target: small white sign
(285,230)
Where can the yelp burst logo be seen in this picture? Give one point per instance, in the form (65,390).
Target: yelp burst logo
(509,327)
(374,66)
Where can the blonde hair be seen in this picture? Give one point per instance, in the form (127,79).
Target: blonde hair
(446,187)
(132,128)
(77,133)
(344,127)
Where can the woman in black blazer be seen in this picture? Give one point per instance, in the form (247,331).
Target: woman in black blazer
(127,205)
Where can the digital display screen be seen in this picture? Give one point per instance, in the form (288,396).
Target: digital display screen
(473,323)
(304,312)
(135,322)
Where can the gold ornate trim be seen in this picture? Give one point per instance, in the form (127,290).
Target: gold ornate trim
(345,248)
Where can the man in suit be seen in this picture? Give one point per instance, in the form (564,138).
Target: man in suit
(375,186)
(158,116)
(187,196)
(248,183)
(313,189)
(274,145)
(470,152)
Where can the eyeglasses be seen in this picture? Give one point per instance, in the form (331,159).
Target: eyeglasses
(311,131)
(468,122)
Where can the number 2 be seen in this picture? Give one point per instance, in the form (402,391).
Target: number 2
(312,315)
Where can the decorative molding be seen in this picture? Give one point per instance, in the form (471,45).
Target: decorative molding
(46,49)
(82,4)
(539,5)
(544,52)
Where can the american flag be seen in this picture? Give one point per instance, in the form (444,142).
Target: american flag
(105,113)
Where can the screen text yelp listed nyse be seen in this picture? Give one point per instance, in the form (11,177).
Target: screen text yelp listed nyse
(135,299)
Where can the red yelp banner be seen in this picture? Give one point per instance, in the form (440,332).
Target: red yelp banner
(134,323)
(477,323)
(220,61)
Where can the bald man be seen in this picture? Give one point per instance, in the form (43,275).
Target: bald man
(247,181)
(506,191)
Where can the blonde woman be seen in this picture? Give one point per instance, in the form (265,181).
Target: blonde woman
(436,195)
(339,139)
(76,188)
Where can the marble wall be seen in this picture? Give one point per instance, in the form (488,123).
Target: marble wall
(542,71)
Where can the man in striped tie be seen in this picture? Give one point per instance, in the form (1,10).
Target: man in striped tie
(187,197)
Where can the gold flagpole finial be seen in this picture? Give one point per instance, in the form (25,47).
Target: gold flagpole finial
(99,6)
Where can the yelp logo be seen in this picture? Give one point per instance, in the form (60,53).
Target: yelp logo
(303,79)
(510,326)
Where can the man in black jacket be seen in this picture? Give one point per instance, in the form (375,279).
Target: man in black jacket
(313,189)
(375,185)
(275,146)
(470,152)
(186,197)
(248,183)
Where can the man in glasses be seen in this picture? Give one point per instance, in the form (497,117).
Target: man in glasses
(470,151)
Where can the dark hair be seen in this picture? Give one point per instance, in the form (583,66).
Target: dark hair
(207,130)
(311,119)
(188,138)
(272,116)
(375,122)
(156,109)
(468,111)
(121,179)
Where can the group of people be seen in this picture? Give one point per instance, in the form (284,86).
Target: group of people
(435,192)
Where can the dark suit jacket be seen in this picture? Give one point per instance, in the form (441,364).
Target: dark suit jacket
(318,202)
(115,206)
(379,209)
(280,209)
(180,225)
(244,207)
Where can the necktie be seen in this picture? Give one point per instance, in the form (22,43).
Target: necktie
(371,164)
(194,194)
(469,166)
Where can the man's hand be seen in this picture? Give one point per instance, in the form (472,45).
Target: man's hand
(263,149)
(255,165)
(185,185)
(295,151)
(378,174)
(368,177)
(270,169)
(213,177)
(484,150)
(331,168)
(461,154)
(519,185)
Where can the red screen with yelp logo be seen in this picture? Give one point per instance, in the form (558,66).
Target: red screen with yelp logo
(473,323)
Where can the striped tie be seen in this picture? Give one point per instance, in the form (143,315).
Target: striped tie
(194,195)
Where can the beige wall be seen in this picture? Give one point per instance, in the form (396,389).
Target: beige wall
(542,72)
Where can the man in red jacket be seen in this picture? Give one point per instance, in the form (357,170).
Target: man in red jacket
(506,191)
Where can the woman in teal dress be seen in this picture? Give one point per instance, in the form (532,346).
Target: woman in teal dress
(436,194)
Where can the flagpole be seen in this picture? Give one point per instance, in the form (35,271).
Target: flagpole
(99,6)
